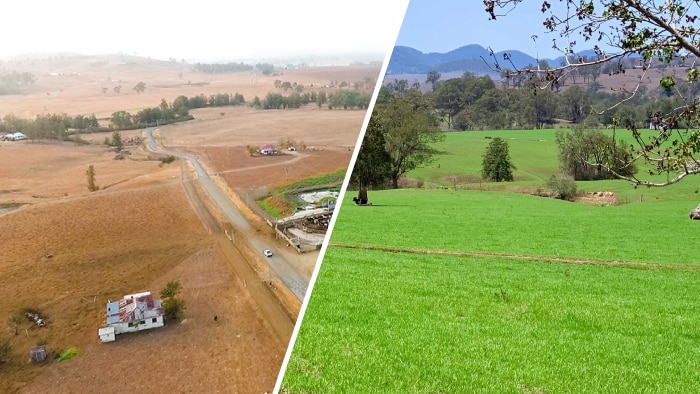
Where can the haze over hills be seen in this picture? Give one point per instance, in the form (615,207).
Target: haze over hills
(308,59)
(473,58)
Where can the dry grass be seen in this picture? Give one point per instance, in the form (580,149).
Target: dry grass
(139,230)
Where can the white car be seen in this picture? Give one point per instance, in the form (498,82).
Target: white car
(267,252)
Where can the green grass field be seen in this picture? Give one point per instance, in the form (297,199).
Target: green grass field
(495,291)
(411,323)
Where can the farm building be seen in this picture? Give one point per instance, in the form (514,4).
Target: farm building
(37,354)
(18,136)
(267,150)
(134,312)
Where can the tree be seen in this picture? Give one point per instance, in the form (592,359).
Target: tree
(591,155)
(372,166)
(140,87)
(575,104)
(171,289)
(92,186)
(409,127)
(456,94)
(117,140)
(172,306)
(432,77)
(496,164)
(450,98)
(662,30)
(265,68)
(121,119)
(321,99)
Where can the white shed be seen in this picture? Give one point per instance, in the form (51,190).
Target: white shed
(107,334)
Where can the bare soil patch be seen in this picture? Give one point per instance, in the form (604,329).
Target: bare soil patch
(598,198)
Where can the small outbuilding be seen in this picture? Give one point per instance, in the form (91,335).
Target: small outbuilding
(37,354)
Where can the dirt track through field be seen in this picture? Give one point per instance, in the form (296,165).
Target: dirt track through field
(512,256)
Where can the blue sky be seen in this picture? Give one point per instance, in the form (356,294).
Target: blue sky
(444,25)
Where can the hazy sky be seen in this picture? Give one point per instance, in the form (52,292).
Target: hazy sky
(200,29)
(444,25)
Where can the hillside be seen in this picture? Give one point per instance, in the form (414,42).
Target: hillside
(473,58)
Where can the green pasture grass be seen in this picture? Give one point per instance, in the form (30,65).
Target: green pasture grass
(381,322)
(499,222)
(535,154)
(330,180)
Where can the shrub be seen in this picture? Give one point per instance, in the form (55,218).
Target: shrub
(67,354)
(167,159)
(564,185)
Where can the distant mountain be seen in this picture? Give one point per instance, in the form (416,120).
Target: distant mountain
(473,58)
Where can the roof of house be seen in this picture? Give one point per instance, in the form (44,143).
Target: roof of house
(267,147)
(133,307)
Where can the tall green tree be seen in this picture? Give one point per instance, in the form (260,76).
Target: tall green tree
(450,99)
(496,164)
(409,128)
(117,140)
(373,163)
(121,119)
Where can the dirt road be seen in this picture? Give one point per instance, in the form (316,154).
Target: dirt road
(295,280)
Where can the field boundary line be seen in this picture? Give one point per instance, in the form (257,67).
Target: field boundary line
(513,256)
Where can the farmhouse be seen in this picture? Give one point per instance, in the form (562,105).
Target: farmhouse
(267,150)
(134,312)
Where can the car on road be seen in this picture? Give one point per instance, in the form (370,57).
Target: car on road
(267,252)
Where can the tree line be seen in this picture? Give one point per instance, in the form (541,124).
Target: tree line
(476,102)
(49,126)
(343,99)
(62,126)
(13,81)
